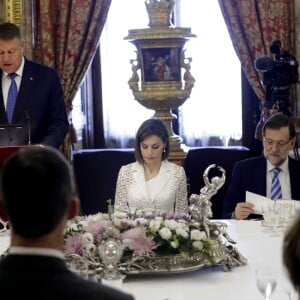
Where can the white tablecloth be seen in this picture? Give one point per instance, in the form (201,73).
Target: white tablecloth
(213,283)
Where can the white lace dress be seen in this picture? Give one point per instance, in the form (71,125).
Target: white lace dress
(167,192)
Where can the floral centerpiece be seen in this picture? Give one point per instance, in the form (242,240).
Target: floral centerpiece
(107,245)
(143,235)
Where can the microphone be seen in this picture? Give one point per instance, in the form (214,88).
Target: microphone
(263,63)
(29,127)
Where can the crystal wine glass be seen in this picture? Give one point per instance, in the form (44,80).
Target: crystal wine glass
(275,216)
(286,212)
(266,281)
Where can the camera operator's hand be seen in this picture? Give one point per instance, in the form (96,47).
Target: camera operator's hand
(274,110)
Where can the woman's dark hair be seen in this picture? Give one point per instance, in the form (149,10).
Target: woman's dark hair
(153,126)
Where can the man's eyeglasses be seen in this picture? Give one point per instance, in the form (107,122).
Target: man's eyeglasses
(279,144)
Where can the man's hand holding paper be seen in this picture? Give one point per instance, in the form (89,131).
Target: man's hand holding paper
(262,203)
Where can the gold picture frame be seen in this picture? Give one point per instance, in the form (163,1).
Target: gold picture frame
(11,11)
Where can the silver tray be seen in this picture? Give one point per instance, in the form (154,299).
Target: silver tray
(166,264)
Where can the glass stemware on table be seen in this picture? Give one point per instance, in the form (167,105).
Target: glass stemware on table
(287,211)
(277,214)
(266,278)
(272,217)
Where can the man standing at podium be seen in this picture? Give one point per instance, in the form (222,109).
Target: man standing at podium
(32,106)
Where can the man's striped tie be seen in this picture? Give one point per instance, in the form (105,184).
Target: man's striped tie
(276,187)
(11,97)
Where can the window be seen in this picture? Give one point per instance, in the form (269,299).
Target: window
(214,108)
(122,114)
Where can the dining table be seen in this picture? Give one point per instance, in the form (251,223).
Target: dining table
(259,246)
(253,241)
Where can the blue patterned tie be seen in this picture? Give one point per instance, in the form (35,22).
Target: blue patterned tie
(11,97)
(276,187)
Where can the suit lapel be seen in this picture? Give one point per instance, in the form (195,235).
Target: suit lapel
(294,179)
(139,178)
(3,116)
(25,93)
(261,168)
(162,179)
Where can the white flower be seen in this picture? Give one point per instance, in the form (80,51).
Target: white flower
(88,237)
(197,235)
(91,248)
(181,221)
(154,225)
(198,245)
(74,227)
(165,233)
(181,232)
(172,224)
(183,226)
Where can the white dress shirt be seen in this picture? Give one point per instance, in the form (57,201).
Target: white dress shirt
(35,251)
(6,81)
(284,179)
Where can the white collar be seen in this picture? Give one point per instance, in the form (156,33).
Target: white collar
(19,72)
(35,251)
(283,167)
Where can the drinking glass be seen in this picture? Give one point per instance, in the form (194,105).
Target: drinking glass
(286,212)
(275,216)
(266,222)
(266,280)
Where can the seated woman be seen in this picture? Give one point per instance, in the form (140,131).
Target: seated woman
(152,183)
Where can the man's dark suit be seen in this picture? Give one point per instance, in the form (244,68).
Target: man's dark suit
(40,109)
(249,175)
(42,278)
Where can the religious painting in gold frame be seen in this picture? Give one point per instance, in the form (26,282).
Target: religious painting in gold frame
(161,64)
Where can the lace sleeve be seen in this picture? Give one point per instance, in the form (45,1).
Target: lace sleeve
(121,190)
(181,205)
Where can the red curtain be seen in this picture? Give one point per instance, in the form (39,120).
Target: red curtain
(67,33)
(253,26)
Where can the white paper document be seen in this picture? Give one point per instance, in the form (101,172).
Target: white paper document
(261,202)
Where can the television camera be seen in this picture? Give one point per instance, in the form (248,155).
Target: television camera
(279,72)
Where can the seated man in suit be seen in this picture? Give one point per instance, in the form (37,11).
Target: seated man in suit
(37,198)
(255,174)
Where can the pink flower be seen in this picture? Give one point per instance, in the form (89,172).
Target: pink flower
(74,244)
(95,230)
(137,240)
